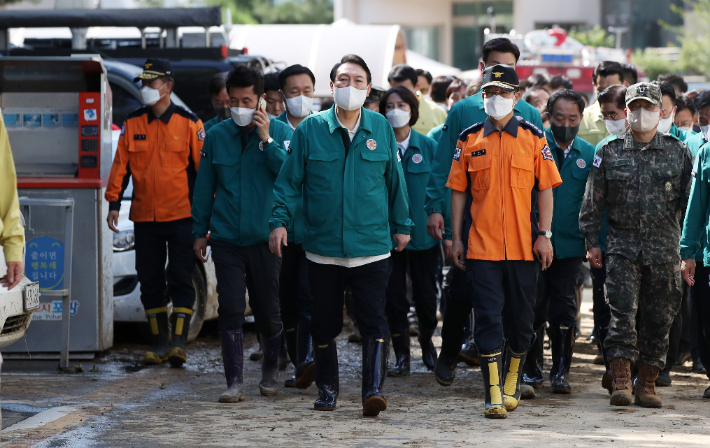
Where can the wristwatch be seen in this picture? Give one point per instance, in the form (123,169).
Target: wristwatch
(546,233)
(267,143)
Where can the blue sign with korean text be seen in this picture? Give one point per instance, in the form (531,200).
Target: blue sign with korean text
(45,262)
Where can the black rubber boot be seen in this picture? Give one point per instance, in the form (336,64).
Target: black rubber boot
(258,354)
(374,366)
(562,345)
(469,351)
(269,365)
(513,372)
(180,320)
(400,344)
(491,368)
(532,369)
(445,369)
(327,379)
(664,377)
(284,359)
(607,379)
(158,320)
(233,359)
(306,370)
(428,350)
(290,336)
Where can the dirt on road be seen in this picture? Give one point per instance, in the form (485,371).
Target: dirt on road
(122,404)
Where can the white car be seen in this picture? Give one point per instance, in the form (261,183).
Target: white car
(16,306)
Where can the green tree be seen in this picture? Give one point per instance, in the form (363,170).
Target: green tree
(694,37)
(288,12)
(593,37)
(653,63)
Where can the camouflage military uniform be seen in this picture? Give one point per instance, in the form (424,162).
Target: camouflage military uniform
(645,188)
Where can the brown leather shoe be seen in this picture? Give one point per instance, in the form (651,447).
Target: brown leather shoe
(646,387)
(621,374)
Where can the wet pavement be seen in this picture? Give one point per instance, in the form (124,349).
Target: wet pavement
(118,402)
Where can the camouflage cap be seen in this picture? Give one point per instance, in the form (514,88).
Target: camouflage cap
(644,91)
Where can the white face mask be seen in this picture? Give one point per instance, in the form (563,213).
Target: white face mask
(398,118)
(706,131)
(349,98)
(687,129)
(643,120)
(665,124)
(616,127)
(498,107)
(151,95)
(299,106)
(242,116)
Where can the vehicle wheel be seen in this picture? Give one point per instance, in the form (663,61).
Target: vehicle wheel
(198,310)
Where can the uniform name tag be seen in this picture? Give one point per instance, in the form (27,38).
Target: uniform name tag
(480,152)
(139,137)
(457,154)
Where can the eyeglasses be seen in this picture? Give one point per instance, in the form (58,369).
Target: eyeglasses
(633,107)
(492,93)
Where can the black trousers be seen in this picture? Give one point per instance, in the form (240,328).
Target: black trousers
(459,302)
(367,283)
(295,295)
(700,300)
(602,313)
(239,268)
(556,292)
(151,239)
(504,294)
(423,266)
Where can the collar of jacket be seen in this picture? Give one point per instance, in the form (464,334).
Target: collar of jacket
(511,128)
(630,143)
(333,125)
(165,118)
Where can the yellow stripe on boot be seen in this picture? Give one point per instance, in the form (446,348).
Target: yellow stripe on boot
(496,408)
(511,385)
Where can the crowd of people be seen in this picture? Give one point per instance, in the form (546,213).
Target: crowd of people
(516,183)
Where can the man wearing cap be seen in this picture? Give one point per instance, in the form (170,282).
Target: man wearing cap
(495,168)
(643,180)
(159,147)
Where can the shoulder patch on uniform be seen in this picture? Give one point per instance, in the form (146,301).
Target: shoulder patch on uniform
(525,124)
(201,135)
(471,130)
(138,112)
(547,154)
(457,154)
(444,127)
(123,129)
(597,161)
(186,113)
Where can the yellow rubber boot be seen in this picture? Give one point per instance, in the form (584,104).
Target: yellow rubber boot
(491,366)
(158,320)
(513,373)
(180,319)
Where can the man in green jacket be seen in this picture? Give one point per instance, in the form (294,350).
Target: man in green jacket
(345,163)
(556,299)
(219,98)
(694,242)
(462,115)
(241,158)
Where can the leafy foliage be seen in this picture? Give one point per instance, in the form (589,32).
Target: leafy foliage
(283,12)
(593,37)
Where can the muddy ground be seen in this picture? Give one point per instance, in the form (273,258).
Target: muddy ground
(121,404)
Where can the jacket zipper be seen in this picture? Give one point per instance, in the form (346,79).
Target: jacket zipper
(502,192)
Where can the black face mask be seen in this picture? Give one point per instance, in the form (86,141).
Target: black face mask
(564,134)
(224,113)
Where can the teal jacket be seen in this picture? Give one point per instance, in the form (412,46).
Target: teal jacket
(695,142)
(416,164)
(567,239)
(694,241)
(436,133)
(681,135)
(295,232)
(210,123)
(349,199)
(234,188)
(462,115)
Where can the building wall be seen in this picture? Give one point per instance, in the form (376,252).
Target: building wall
(528,13)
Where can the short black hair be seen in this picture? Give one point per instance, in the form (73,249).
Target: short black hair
(676,81)
(295,69)
(702,100)
(684,102)
(501,45)
(538,80)
(271,82)
(408,98)
(614,94)
(351,59)
(401,73)
(568,95)
(631,75)
(438,88)
(243,76)
(326,104)
(666,89)
(560,81)
(608,68)
(217,83)
(424,73)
